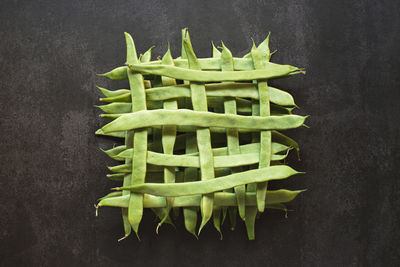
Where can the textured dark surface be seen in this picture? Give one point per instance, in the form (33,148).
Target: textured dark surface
(52,170)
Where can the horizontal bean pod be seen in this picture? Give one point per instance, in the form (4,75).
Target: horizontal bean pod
(156,176)
(222,151)
(184,117)
(272,71)
(126,168)
(112,93)
(277,96)
(240,64)
(193,161)
(220,198)
(212,185)
(243,107)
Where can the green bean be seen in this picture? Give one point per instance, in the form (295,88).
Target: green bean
(119,98)
(276,110)
(127,168)
(190,174)
(222,199)
(244,107)
(126,181)
(186,128)
(109,93)
(120,107)
(285,140)
(272,71)
(233,160)
(280,97)
(162,214)
(119,73)
(265,136)
(120,134)
(168,135)
(116,176)
(263,47)
(185,117)
(217,210)
(244,149)
(232,134)
(135,209)
(199,102)
(211,185)
(113,152)
(240,64)
(146,57)
(251,212)
(232,89)
(115,108)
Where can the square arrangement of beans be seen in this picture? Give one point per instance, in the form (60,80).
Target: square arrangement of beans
(201,135)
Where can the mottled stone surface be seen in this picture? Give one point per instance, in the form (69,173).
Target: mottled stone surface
(52,170)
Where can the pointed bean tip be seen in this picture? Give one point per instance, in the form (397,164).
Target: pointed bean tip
(254,43)
(115,188)
(97,209)
(220,235)
(201,228)
(137,234)
(194,234)
(99,131)
(298,153)
(122,238)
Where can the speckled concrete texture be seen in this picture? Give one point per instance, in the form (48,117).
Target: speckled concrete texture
(52,170)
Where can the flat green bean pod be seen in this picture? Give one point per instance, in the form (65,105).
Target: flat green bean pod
(194,161)
(185,117)
(273,71)
(222,199)
(212,185)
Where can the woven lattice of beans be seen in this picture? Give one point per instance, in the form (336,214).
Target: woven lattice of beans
(201,135)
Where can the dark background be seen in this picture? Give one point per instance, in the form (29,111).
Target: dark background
(52,170)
